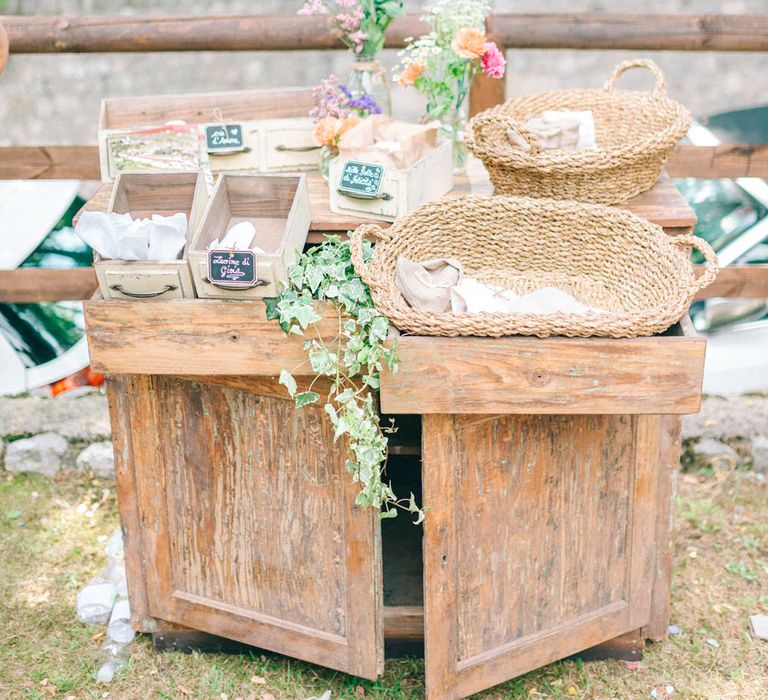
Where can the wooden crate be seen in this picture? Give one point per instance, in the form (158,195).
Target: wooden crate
(141,195)
(274,145)
(277,206)
(401,191)
(124,114)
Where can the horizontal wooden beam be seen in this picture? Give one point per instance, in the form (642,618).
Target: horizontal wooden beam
(82,162)
(724,161)
(106,33)
(586,30)
(618,30)
(738,282)
(31,285)
(49,163)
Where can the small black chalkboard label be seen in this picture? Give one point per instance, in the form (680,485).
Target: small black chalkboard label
(224,138)
(361,179)
(234,268)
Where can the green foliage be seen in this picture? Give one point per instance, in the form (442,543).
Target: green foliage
(378,16)
(351,362)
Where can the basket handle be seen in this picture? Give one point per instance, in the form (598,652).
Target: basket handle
(712,268)
(491,117)
(356,249)
(659,89)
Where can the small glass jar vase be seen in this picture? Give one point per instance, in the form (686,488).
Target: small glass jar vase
(327,154)
(368,86)
(453,126)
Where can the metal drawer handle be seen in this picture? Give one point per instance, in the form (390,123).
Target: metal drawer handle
(142,295)
(296,149)
(386,197)
(236,288)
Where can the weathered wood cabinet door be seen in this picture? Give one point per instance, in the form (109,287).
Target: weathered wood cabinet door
(538,541)
(247,520)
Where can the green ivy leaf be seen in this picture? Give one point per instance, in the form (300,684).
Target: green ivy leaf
(287,380)
(306,397)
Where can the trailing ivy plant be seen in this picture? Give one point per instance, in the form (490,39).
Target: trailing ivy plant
(352,361)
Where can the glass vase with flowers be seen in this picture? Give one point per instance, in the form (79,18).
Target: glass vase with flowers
(442,64)
(361,24)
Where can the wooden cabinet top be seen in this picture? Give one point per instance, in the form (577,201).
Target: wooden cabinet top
(662,205)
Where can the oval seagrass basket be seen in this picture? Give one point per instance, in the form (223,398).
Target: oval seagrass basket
(635,133)
(639,277)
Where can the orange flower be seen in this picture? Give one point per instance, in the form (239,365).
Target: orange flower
(469,43)
(411,73)
(329,130)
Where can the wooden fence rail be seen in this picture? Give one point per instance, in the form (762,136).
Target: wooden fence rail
(88,34)
(587,30)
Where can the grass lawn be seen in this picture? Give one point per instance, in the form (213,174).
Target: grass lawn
(52,536)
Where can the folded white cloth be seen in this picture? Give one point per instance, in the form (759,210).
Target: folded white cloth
(121,237)
(472,296)
(239,237)
(586,121)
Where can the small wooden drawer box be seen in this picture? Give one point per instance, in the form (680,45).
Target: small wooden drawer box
(278,208)
(141,195)
(401,191)
(124,115)
(272,146)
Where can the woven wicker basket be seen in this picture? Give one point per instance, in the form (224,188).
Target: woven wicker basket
(606,258)
(635,132)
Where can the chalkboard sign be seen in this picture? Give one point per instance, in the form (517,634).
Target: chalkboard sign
(361,179)
(233,268)
(224,138)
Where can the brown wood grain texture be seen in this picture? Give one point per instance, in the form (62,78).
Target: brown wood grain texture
(724,161)
(662,374)
(669,466)
(583,30)
(119,396)
(49,163)
(118,33)
(249,534)
(195,337)
(29,285)
(82,162)
(623,30)
(511,583)
(738,282)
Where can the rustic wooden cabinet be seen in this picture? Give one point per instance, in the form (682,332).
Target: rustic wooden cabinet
(546,467)
(546,528)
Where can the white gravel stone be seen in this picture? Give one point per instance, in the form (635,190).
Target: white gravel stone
(40,454)
(760,454)
(99,459)
(75,418)
(711,449)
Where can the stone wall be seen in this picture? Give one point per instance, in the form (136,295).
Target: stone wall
(49,99)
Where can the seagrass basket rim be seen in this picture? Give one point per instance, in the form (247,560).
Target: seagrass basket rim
(646,142)
(444,217)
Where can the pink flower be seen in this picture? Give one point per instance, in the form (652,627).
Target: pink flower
(313,7)
(493,61)
(358,39)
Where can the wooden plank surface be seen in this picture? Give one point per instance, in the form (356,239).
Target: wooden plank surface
(30,285)
(107,33)
(49,163)
(82,162)
(194,336)
(662,374)
(662,205)
(536,543)
(582,30)
(303,581)
(738,282)
(624,30)
(724,161)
